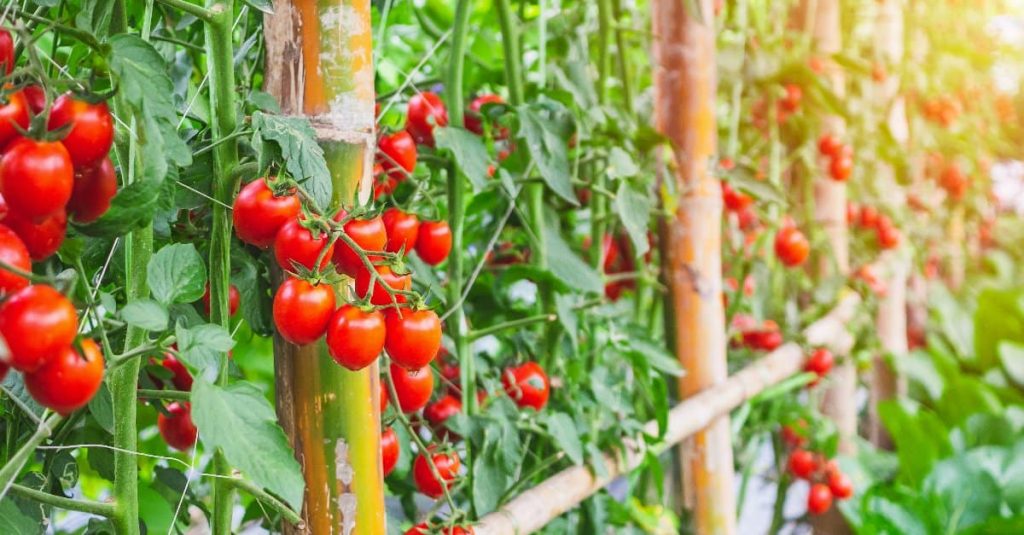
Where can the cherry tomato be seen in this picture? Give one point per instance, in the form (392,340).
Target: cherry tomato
(841,168)
(380,295)
(888,236)
(36,98)
(182,378)
(93,189)
(296,244)
(735,201)
(829,145)
(437,412)
(302,311)
(402,230)
(389,450)
(424,529)
(434,242)
(42,239)
(791,246)
(425,111)
(38,323)
(234,299)
(427,483)
(177,428)
(13,253)
(92,130)
(868,216)
(4,368)
(369,234)
(791,101)
(6,51)
(258,214)
(795,436)
(412,386)
(397,155)
(13,112)
(820,499)
(474,120)
(840,485)
(68,381)
(820,362)
(383,397)
(802,463)
(413,336)
(527,385)
(355,337)
(36,177)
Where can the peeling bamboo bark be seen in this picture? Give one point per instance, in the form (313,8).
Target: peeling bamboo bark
(685,82)
(320,64)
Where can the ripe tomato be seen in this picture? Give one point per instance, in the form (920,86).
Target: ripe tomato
(38,323)
(820,499)
(820,362)
(68,381)
(868,216)
(296,244)
(389,450)
(92,130)
(802,463)
(182,378)
(302,311)
(795,436)
(888,236)
(14,254)
(177,428)
(36,98)
(36,177)
(397,155)
(4,368)
(389,278)
(413,336)
(402,230)
(383,397)
(424,529)
(258,214)
(791,246)
(829,145)
(234,300)
(474,120)
(93,189)
(434,242)
(841,168)
(840,485)
(42,239)
(794,95)
(412,386)
(426,482)
(355,337)
(13,112)
(425,111)
(369,234)
(735,201)
(437,412)
(527,385)
(6,51)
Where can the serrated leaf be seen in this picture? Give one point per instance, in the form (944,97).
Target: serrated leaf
(101,406)
(489,475)
(634,209)
(567,267)
(15,386)
(549,151)
(201,347)
(238,419)
(264,101)
(620,164)
(468,150)
(563,431)
(296,141)
(177,274)
(145,314)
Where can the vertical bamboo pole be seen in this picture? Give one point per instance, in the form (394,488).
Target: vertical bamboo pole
(684,84)
(320,64)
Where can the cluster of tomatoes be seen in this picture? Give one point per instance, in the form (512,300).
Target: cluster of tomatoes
(867,217)
(839,156)
(752,334)
(788,104)
(54,163)
(827,481)
(943,110)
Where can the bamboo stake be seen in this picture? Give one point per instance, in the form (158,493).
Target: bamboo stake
(684,82)
(320,64)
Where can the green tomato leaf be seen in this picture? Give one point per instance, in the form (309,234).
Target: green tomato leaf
(563,430)
(101,406)
(1011,356)
(201,347)
(634,209)
(469,153)
(176,274)
(146,314)
(262,5)
(549,151)
(489,475)
(296,141)
(621,164)
(238,419)
(567,267)
(15,520)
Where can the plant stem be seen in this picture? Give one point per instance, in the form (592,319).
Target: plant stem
(604,56)
(496,328)
(14,465)
(220,67)
(177,395)
(620,51)
(510,43)
(248,486)
(202,13)
(70,504)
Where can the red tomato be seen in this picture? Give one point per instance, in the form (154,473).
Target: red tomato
(296,244)
(177,428)
(791,246)
(4,368)
(820,499)
(36,177)
(389,278)
(868,216)
(888,236)
(820,362)
(829,145)
(38,323)
(841,168)
(397,155)
(68,381)
(13,253)
(13,112)
(389,450)
(425,111)
(383,396)
(402,230)
(794,95)
(735,201)
(434,242)
(42,239)
(840,485)
(36,98)
(474,120)
(795,436)
(412,386)
(234,300)
(426,482)
(258,214)
(413,336)
(182,378)
(802,463)
(93,189)
(6,51)
(92,130)
(355,337)
(424,529)
(527,385)
(369,234)
(437,412)
(302,311)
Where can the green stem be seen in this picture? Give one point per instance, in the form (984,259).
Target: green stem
(621,60)
(85,506)
(513,61)
(778,513)
(497,328)
(288,513)
(177,395)
(205,14)
(733,145)
(14,465)
(604,55)
(220,67)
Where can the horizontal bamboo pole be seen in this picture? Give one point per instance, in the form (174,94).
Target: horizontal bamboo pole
(535,508)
